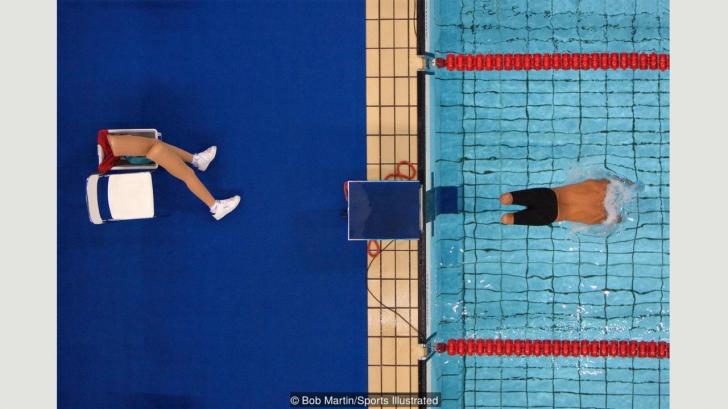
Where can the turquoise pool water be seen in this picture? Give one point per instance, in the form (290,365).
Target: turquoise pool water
(498,131)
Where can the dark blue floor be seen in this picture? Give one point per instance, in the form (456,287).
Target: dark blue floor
(183,311)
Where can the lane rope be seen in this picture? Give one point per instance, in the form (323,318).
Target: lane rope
(556,347)
(554,61)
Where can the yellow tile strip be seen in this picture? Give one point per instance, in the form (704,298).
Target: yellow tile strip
(391,76)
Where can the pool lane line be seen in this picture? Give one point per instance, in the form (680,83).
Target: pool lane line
(554,61)
(556,347)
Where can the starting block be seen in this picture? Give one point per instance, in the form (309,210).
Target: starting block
(379,210)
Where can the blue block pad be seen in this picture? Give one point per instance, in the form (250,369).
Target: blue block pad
(442,200)
(384,210)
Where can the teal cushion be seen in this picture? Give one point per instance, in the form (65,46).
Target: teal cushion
(138,160)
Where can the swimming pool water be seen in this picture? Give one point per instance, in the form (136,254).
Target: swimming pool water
(498,131)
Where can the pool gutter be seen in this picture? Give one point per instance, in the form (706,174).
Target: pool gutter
(422,177)
(420,27)
(422,243)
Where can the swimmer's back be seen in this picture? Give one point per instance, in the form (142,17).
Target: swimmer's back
(583,202)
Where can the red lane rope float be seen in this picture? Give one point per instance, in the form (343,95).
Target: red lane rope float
(373,247)
(555,61)
(556,347)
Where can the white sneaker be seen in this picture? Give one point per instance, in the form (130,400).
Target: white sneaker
(222,207)
(202,160)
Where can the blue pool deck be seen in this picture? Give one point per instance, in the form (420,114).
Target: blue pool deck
(183,311)
(493,132)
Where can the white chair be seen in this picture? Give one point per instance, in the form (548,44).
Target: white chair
(124,164)
(128,196)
